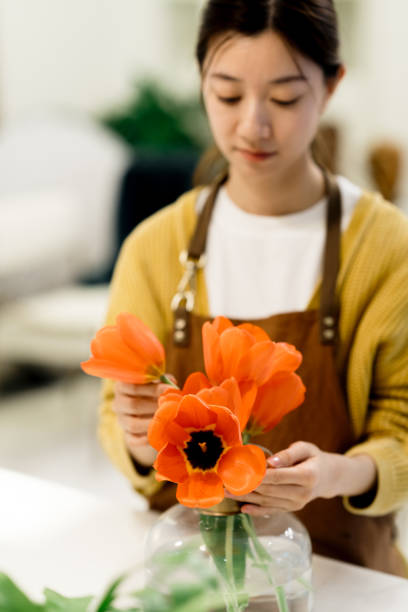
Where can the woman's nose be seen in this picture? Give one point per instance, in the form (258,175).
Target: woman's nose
(255,122)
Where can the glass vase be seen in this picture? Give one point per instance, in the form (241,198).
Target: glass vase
(261,563)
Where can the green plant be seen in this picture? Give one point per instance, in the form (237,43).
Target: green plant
(154,119)
(197,590)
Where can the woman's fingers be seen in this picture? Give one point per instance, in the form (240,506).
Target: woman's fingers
(135,406)
(134,441)
(301,475)
(132,406)
(143,453)
(134,426)
(149,390)
(296,453)
(274,496)
(261,511)
(288,487)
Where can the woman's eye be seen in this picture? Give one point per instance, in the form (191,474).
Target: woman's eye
(286,102)
(229,100)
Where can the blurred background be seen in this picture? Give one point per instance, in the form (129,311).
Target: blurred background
(101,125)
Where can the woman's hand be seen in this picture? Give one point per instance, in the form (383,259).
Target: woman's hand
(135,406)
(302,472)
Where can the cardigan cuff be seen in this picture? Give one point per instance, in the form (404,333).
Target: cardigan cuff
(392,478)
(115,447)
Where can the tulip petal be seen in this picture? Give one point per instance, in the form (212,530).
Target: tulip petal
(282,394)
(195,383)
(265,359)
(140,339)
(234,396)
(248,392)
(201,490)
(242,469)
(287,357)
(109,346)
(221,323)
(97,345)
(212,353)
(257,332)
(234,345)
(170,395)
(171,465)
(226,426)
(216,396)
(106,369)
(194,413)
(229,395)
(164,429)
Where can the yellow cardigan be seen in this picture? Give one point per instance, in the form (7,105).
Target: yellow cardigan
(373,349)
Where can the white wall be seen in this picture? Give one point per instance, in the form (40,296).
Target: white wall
(85,54)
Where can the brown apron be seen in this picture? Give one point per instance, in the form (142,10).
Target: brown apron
(323,419)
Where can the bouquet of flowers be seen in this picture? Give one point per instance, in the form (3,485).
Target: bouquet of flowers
(202,432)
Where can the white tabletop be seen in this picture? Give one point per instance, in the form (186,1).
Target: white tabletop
(76,544)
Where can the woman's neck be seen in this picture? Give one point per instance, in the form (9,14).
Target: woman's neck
(296,190)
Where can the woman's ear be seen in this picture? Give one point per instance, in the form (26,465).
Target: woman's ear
(332,83)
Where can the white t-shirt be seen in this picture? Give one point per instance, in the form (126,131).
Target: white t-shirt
(257,265)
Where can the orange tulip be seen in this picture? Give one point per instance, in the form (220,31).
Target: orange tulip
(227,394)
(244,352)
(200,448)
(280,395)
(127,351)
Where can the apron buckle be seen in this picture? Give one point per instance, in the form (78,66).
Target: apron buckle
(182,303)
(188,262)
(180,297)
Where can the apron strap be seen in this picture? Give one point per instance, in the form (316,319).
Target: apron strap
(193,259)
(329,305)
(199,239)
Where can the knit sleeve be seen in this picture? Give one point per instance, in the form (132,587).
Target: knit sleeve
(131,291)
(385,436)
(145,279)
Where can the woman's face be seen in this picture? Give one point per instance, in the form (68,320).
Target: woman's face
(263,102)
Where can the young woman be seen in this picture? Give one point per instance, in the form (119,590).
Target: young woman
(311,258)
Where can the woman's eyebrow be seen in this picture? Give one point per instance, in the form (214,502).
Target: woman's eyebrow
(278,81)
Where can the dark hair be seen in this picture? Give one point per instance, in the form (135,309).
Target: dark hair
(308,26)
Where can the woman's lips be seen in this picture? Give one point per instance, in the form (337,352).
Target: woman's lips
(256,155)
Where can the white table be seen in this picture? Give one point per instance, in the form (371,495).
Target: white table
(58,537)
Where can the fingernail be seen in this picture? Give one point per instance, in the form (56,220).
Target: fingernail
(275,461)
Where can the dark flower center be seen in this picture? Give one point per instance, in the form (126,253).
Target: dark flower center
(204,449)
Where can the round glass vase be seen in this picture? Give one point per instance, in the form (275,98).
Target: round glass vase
(258,564)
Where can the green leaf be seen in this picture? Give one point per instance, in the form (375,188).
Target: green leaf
(12,599)
(54,602)
(110,595)
(181,593)
(153,601)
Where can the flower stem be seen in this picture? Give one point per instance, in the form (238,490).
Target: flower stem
(166,380)
(229,532)
(263,558)
(229,559)
(246,436)
(281,597)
